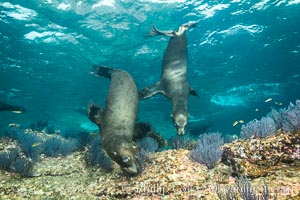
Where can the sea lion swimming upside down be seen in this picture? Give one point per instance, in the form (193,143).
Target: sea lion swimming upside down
(117,121)
(173,83)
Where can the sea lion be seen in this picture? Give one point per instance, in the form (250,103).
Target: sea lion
(173,83)
(117,121)
(13,108)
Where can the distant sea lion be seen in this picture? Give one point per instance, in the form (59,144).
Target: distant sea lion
(117,121)
(173,83)
(13,108)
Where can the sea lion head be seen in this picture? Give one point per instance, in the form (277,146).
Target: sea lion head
(125,154)
(180,122)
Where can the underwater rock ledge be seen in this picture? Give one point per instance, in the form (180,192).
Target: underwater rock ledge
(168,174)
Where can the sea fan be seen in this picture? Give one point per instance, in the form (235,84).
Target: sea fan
(258,129)
(208,149)
(291,117)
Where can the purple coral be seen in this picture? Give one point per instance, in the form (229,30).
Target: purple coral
(258,129)
(288,119)
(291,117)
(208,149)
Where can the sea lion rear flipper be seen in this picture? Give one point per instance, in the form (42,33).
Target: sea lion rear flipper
(151,91)
(102,71)
(193,92)
(95,114)
(144,129)
(154,31)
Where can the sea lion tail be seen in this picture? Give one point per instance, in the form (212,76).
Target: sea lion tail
(102,71)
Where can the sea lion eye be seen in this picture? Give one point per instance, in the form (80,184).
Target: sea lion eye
(125,159)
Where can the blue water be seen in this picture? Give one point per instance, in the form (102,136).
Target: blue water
(240,54)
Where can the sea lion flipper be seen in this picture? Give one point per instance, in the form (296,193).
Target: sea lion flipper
(95,114)
(154,31)
(193,92)
(144,129)
(102,71)
(151,91)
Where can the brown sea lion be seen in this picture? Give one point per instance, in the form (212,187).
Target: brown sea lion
(173,83)
(117,121)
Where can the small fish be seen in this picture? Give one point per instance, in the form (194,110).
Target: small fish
(241,121)
(13,125)
(267,100)
(16,111)
(235,123)
(278,103)
(36,144)
(256,109)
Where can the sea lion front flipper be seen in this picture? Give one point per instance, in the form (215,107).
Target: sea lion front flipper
(151,91)
(193,92)
(95,114)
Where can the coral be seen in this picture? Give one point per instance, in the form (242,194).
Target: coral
(181,142)
(27,142)
(259,157)
(287,119)
(257,129)
(208,149)
(39,125)
(82,136)
(291,117)
(13,159)
(230,193)
(245,190)
(56,146)
(97,156)
(22,166)
(276,116)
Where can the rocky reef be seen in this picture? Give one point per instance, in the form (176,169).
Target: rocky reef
(169,174)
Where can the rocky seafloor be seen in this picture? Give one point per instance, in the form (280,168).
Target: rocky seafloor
(170,174)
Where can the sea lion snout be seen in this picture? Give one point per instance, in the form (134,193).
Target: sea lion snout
(132,170)
(125,156)
(180,123)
